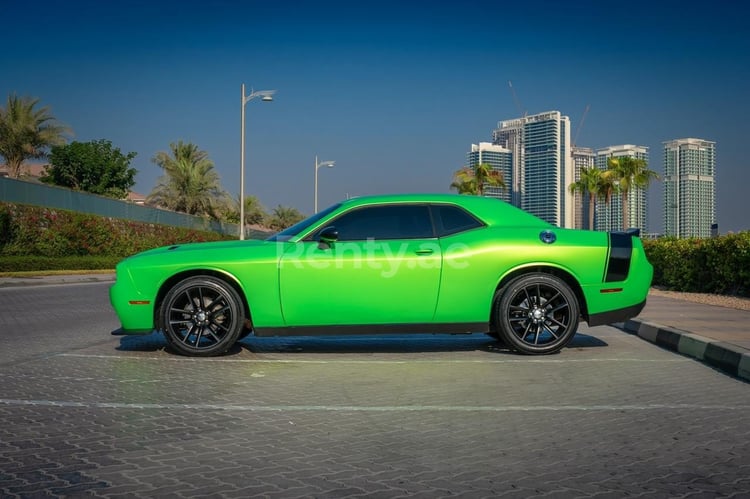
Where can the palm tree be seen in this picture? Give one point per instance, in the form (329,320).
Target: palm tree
(606,188)
(488,177)
(588,184)
(464,181)
(255,213)
(474,180)
(283,217)
(27,133)
(629,172)
(189,184)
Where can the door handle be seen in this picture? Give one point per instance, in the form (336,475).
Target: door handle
(424,252)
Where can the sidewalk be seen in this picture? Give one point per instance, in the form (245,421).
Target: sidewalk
(55,279)
(717,336)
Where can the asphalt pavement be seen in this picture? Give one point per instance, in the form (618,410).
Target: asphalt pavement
(715,335)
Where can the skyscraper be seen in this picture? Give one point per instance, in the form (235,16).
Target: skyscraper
(500,159)
(583,157)
(542,165)
(689,187)
(609,215)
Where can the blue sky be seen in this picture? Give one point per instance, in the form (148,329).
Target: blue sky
(394,92)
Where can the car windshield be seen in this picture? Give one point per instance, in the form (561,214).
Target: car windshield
(299,227)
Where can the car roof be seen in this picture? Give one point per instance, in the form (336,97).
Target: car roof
(492,211)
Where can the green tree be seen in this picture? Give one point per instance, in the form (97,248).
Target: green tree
(628,173)
(464,181)
(474,180)
(606,187)
(94,167)
(588,185)
(255,213)
(26,132)
(283,217)
(190,183)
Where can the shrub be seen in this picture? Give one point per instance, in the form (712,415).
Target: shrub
(716,265)
(32,263)
(5,224)
(30,231)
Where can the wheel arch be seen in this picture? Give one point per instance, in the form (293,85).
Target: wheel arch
(174,279)
(561,273)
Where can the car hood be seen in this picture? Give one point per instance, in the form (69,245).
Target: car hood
(217,246)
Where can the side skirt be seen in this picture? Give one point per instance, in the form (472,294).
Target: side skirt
(131,332)
(334,330)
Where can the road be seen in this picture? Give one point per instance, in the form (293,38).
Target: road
(91,415)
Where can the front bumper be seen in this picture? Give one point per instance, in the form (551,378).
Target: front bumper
(134,309)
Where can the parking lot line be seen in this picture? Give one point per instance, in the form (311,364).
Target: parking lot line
(365,408)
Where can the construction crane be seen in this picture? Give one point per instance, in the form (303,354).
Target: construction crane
(580,125)
(515,99)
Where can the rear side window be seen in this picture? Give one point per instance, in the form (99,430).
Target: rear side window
(450,219)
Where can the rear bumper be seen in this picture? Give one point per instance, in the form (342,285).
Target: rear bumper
(619,315)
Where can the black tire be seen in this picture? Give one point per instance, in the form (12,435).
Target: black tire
(536,314)
(202,316)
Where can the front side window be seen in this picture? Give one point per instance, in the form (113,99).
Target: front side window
(299,227)
(406,221)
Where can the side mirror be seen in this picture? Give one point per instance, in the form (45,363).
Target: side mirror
(328,236)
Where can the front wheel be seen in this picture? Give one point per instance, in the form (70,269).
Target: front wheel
(202,316)
(537,314)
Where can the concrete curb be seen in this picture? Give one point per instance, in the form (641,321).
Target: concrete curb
(55,279)
(728,358)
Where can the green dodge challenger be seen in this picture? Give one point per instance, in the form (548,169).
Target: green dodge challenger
(413,263)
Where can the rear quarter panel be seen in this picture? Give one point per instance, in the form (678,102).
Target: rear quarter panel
(477,262)
(608,296)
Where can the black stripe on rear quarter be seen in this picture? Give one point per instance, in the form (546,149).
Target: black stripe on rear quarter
(620,251)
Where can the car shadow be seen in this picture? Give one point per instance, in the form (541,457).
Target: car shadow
(369,344)
(581,340)
(405,343)
(143,343)
(385,343)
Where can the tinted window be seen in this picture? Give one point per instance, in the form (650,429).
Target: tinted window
(295,229)
(408,221)
(452,219)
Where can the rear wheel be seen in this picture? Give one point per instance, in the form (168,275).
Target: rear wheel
(536,314)
(202,316)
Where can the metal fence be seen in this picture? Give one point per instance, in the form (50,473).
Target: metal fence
(18,191)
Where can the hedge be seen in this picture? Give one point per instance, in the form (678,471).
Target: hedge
(718,265)
(38,238)
(34,263)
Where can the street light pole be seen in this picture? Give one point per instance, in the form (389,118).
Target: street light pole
(266,96)
(328,164)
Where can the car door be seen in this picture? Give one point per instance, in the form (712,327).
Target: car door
(383,268)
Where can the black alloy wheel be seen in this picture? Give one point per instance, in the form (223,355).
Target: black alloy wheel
(537,314)
(202,316)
